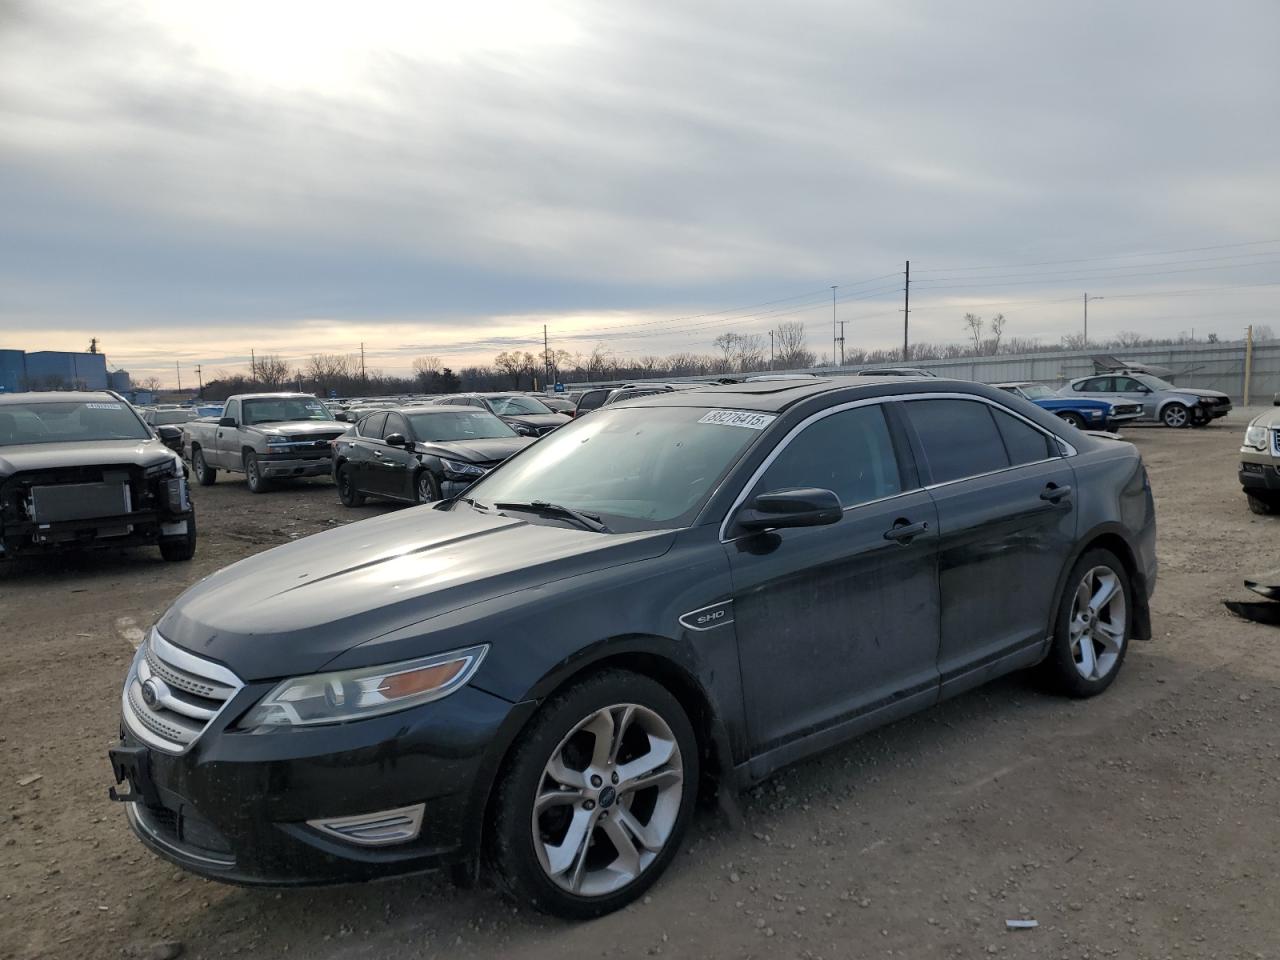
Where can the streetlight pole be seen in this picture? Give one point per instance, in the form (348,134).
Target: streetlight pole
(834,336)
(770,349)
(1087,298)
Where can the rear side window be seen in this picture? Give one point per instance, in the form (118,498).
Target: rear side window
(1023,442)
(960,438)
(1128,385)
(849,453)
(1100,385)
(592,399)
(371,426)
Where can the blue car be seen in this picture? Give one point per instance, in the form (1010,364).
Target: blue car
(1081,413)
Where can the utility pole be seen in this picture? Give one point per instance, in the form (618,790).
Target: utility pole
(1087,298)
(93,345)
(842,323)
(253,366)
(546,358)
(1248,362)
(906,311)
(834,336)
(177,365)
(363,376)
(200,381)
(770,349)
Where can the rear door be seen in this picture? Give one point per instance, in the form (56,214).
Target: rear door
(1129,390)
(1007,525)
(367,439)
(837,625)
(391,466)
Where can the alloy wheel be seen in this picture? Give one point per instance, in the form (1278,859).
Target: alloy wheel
(1175,415)
(1099,622)
(608,800)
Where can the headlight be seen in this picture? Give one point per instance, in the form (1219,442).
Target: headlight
(368,692)
(460,469)
(166,469)
(277,441)
(1093,414)
(1256,437)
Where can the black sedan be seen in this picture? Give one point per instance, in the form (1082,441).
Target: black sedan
(688,590)
(419,454)
(528,416)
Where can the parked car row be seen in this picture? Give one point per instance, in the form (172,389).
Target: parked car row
(684,590)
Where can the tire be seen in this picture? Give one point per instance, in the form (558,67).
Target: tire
(347,492)
(426,488)
(1264,505)
(206,476)
(1074,419)
(1175,415)
(253,474)
(1072,668)
(181,548)
(564,860)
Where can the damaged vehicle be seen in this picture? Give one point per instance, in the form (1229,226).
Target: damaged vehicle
(420,454)
(1159,400)
(1260,462)
(1080,412)
(83,470)
(688,590)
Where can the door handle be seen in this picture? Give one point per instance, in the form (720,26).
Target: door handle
(904,531)
(1054,493)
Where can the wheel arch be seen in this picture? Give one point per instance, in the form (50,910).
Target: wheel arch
(1111,537)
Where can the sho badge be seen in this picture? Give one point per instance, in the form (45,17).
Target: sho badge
(708,618)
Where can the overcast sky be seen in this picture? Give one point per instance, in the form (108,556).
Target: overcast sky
(188,180)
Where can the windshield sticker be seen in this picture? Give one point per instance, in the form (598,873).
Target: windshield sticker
(104,406)
(739,418)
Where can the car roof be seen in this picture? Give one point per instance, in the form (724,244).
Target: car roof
(52,396)
(778,395)
(1015,383)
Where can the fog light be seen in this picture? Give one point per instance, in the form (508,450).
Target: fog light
(375,829)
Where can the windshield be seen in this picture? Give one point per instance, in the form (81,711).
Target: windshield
(162,417)
(458,425)
(637,468)
(281,409)
(69,421)
(1037,391)
(510,406)
(1155,383)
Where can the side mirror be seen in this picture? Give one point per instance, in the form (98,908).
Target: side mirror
(168,432)
(796,507)
(227,422)
(395,440)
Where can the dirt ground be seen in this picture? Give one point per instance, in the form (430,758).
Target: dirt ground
(1142,824)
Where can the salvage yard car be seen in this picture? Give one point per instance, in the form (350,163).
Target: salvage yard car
(265,436)
(420,454)
(1081,412)
(1260,461)
(696,587)
(83,470)
(528,416)
(1161,401)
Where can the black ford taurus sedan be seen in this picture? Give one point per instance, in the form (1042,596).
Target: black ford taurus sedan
(689,589)
(420,454)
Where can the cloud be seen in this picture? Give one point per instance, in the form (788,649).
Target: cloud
(182,169)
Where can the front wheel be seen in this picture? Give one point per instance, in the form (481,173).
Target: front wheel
(181,547)
(1074,419)
(595,797)
(1091,634)
(1175,415)
(427,487)
(1264,505)
(253,474)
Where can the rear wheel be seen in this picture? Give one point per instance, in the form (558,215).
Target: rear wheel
(427,487)
(253,474)
(1264,504)
(595,797)
(1074,419)
(205,474)
(347,492)
(1175,415)
(183,546)
(1092,629)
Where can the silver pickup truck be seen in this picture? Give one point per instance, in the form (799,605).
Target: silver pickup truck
(265,436)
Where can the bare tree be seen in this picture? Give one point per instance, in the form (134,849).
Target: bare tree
(512,365)
(150,383)
(426,369)
(1262,331)
(997,329)
(1128,339)
(973,324)
(789,342)
(1074,341)
(270,370)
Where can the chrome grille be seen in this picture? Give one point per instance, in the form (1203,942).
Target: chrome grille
(171,695)
(1275,441)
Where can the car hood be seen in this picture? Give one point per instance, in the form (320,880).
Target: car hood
(476,451)
(48,456)
(302,427)
(293,609)
(1071,403)
(1198,392)
(537,419)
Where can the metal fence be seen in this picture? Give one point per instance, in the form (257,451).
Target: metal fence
(1213,366)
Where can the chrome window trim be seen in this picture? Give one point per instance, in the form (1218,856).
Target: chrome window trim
(1068,449)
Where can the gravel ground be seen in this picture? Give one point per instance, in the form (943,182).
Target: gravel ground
(1139,825)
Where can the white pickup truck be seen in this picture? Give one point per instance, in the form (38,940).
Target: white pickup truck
(265,436)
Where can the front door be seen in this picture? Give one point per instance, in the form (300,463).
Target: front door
(1007,526)
(837,625)
(392,465)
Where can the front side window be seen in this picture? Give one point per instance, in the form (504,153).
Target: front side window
(233,410)
(69,421)
(395,424)
(1036,391)
(637,468)
(459,425)
(284,409)
(1097,385)
(592,400)
(849,453)
(515,406)
(959,437)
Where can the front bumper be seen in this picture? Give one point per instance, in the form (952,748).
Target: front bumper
(277,465)
(1213,409)
(1259,472)
(235,805)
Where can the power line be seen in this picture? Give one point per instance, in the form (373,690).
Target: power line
(1091,276)
(1131,266)
(1114,256)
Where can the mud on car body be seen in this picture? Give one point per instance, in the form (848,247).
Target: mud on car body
(698,585)
(83,470)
